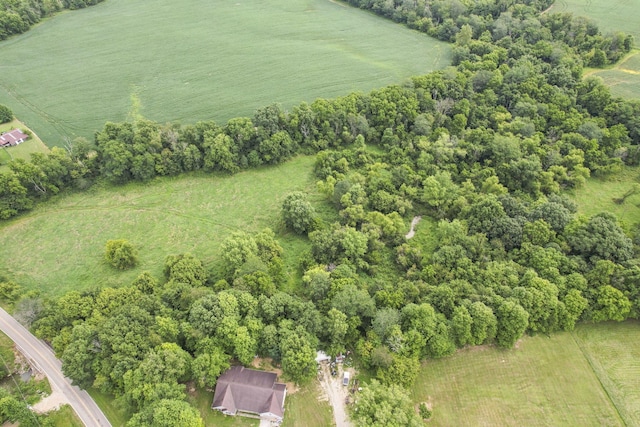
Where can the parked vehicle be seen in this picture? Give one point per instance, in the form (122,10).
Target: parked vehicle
(345,378)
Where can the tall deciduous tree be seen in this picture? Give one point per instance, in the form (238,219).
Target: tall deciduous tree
(297,212)
(121,254)
(6,115)
(384,406)
(512,322)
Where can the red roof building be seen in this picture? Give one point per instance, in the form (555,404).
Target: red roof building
(15,137)
(241,391)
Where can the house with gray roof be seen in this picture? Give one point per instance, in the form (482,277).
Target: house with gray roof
(251,393)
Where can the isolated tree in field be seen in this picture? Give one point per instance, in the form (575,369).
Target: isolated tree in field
(121,254)
(297,212)
(6,115)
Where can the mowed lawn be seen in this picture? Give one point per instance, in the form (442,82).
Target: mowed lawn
(60,245)
(200,60)
(597,195)
(613,349)
(545,381)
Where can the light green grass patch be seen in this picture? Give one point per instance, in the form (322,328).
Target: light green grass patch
(202,400)
(60,245)
(7,357)
(65,417)
(597,196)
(21,151)
(200,60)
(543,382)
(624,78)
(305,408)
(613,349)
(116,417)
(610,15)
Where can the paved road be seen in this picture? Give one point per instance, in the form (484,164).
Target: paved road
(42,356)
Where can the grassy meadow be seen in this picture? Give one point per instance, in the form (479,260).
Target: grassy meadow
(200,60)
(597,196)
(610,15)
(586,378)
(59,246)
(623,78)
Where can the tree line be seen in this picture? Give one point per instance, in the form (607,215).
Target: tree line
(18,16)
(485,149)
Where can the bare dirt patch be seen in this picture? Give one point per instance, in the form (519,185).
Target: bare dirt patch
(53,402)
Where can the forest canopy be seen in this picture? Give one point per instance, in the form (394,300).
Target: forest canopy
(486,149)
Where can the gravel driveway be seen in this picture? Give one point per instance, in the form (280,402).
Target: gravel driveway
(337,393)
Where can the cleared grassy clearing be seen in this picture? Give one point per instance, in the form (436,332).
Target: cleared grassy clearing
(610,15)
(21,151)
(60,245)
(200,60)
(543,382)
(624,78)
(614,353)
(598,193)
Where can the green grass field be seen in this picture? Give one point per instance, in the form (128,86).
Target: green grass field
(586,378)
(598,193)
(303,408)
(60,245)
(613,350)
(610,15)
(200,60)
(65,417)
(21,151)
(116,417)
(623,78)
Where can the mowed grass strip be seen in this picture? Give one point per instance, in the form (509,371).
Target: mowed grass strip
(610,15)
(60,245)
(200,60)
(598,194)
(543,382)
(614,352)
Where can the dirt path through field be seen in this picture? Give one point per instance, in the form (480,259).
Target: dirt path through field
(337,394)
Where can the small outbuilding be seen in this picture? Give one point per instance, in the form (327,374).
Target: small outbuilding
(14,137)
(322,357)
(250,393)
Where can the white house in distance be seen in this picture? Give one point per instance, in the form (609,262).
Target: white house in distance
(15,137)
(250,393)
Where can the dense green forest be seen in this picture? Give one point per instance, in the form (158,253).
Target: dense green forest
(485,149)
